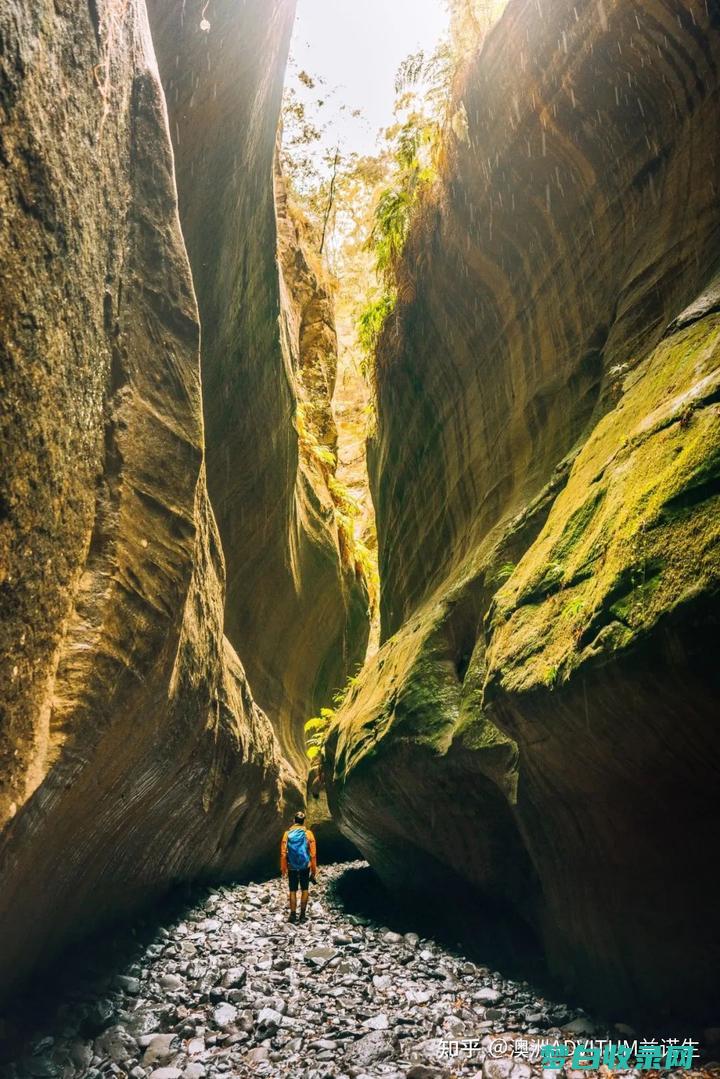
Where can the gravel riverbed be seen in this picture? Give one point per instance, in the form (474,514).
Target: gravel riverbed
(229,988)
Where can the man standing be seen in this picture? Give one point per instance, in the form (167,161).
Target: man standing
(298,858)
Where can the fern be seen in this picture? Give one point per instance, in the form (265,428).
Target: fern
(370,325)
(317,727)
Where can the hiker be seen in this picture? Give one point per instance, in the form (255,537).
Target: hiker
(298,858)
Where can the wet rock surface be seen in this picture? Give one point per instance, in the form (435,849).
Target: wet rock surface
(229,987)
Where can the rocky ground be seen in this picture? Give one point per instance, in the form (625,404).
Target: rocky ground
(227,987)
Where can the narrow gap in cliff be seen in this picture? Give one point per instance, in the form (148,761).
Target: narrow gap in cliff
(355,89)
(368,111)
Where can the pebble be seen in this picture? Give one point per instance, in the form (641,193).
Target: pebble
(231,989)
(377,1022)
(488,996)
(160,1048)
(225,1015)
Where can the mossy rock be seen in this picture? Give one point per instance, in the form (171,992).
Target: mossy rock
(635,527)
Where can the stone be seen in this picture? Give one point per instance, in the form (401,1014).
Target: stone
(521,1070)
(160,1049)
(319,957)
(80,1054)
(371,1048)
(334,1024)
(99,1015)
(128,984)
(393,938)
(225,1015)
(194,1071)
(234,977)
(377,1022)
(268,1021)
(421,996)
(580,1025)
(166,1073)
(257,1055)
(142,1023)
(488,996)
(500,1068)
(116,1044)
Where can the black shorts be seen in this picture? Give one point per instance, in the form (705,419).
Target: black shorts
(299,878)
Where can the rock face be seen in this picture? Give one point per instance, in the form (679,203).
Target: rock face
(539,719)
(296,614)
(132,751)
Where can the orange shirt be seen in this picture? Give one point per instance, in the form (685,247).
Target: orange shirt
(311,845)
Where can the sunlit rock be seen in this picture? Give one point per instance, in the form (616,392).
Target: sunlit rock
(540,720)
(296,609)
(133,754)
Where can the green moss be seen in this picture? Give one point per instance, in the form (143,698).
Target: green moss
(608,565)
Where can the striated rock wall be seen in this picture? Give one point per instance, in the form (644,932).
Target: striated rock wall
(132,753)
(296,614)
(545,472)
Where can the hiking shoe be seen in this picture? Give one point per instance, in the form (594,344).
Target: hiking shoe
(293,916)
(303,917)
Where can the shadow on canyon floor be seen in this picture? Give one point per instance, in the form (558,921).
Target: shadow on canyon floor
(459,921)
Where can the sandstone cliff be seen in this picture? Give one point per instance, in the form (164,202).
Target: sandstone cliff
(539,719)
(132,752)
(296,611)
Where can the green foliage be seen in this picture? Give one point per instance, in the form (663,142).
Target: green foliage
(551,676)
(313,450)
(316,728)
(392,221)
(573,608)
(423,91)
(370,324)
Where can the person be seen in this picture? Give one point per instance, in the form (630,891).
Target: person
(298,860)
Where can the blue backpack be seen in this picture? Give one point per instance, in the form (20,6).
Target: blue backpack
(298,849)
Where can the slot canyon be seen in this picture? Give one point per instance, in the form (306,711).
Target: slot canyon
(511,641)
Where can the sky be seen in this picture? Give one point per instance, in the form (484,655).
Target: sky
(357,46)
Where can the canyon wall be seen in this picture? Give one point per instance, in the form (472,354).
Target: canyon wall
(539,720)
(296,609)
(132,752)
